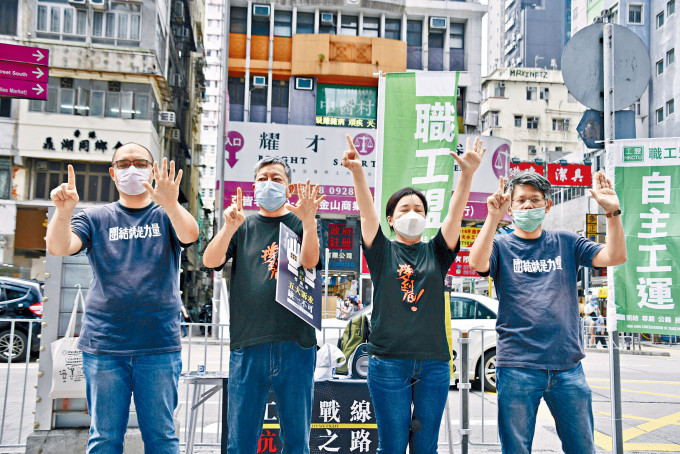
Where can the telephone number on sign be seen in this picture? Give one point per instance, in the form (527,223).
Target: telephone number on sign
(336,190)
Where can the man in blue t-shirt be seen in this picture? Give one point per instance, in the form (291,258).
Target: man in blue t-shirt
(539,333)
(130,330)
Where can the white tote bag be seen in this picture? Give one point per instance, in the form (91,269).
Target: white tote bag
(68,380)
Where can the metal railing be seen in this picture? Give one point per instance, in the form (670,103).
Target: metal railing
(19,374)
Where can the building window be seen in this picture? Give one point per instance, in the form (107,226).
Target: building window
(305,23)
(414,33)
(260,25)
(559,124)
(670,108)
(670,57)
(93,181)
(393,29)
(371,27)
(659,19)
(349,25)
(635,13)
(280,92)
(532,149)
(518,121)
(5,107)
(329,27)
(238,17)
(61,22)
(490,119)
(283,23)
(8,17)
(499,90)
(532,93)
(532,122)
(659,67)
(635,107)
(545,92)
(659,115)
(670,7)
(457,47)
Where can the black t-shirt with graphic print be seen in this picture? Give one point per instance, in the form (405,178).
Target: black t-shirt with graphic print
(255,316)
(408,315)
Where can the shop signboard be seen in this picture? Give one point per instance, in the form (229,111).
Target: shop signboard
(461,266)
(526,166)
(313,153)
(570,175)
(348,106)
(342,240)
(645,290)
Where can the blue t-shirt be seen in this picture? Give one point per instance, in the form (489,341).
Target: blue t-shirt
(538,315)
(133,303)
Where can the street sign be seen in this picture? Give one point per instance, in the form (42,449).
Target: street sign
(21,89)
(23,71)
(591,127)
(591,227)
(582,67)
(24,54)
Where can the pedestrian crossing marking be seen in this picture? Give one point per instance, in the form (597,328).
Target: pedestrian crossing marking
(605,441)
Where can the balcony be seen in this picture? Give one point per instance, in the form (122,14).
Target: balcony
(336,57)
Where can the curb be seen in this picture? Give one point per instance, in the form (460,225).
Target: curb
(627,352)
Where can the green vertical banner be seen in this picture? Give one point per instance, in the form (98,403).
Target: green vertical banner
(417,131)
(646,289)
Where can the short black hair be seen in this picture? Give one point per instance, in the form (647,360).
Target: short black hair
(268,160)
(534,179)
(113,158)
(397,196)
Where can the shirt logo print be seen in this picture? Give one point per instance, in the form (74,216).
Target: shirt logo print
(132,232)
(405,273)
(270,257)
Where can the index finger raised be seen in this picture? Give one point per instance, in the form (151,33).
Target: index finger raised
(71,177)
(501,184)
(239,198)
(351,143)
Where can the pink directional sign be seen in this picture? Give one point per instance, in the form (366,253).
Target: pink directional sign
(23,71)
(24,54)
(22,89)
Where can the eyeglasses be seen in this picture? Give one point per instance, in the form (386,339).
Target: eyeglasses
(126,163)
(535,202)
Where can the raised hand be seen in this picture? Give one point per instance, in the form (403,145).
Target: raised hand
(166,191)
(234,216)
(350,158)
(603,192)
(470,160)
(308,202)
(65,196)
(498,202)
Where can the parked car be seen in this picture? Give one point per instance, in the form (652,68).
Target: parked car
(21,300)
(475,314)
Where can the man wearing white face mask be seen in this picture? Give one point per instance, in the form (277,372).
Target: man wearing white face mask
(271,348)
(540,345)
(130,335)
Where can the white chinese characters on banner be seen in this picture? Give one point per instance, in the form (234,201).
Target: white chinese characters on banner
(436,121)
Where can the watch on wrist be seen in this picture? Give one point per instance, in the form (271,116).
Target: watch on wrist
(614,213)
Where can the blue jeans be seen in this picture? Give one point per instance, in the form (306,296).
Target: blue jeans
(287,369)
(111,381)
(395,385)
(569,400)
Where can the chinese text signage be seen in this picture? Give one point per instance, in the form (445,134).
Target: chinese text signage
(341,105)
(645,289)
(570,175)
(526,166)
(461,266)
(342,240)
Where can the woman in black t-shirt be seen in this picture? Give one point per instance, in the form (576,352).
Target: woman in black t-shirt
(409,353)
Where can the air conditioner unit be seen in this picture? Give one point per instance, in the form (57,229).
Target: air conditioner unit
(327,19)
(532,151)
(566,121)
(99,4)
(502,85)
(259,81)
(175,134)
(261,12)
(166,118)
(304,83)
(78,3)
(438,23)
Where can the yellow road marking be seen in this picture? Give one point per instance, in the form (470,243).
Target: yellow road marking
(605,441)
(672,383)
(675,396)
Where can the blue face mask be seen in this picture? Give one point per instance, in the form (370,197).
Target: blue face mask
(529,220)
(271,196)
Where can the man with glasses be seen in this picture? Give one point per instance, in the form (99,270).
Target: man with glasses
(130,335)
(539,332)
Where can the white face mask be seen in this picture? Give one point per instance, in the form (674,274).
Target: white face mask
(410,225)
(130,180)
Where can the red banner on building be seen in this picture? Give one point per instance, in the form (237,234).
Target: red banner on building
(522,166)
(570,175)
